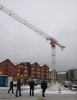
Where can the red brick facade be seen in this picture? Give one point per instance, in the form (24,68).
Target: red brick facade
(35,71)
(24,70)
(39,72)
(7,68)
(44,72)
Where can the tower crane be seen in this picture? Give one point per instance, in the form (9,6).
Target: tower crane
(53,42)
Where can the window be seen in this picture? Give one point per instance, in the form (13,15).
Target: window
(32,75)
(22,70)
(32,72)
(42,76)
(25,70)
(18,66)
(21,66)
(32,68)
(35,66)
(38,72)
(38,69)
(38,76)
(18,74)
(18,70)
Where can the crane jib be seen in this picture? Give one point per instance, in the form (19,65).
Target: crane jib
(29,25)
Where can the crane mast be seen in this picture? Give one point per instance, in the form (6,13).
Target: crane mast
(53,41)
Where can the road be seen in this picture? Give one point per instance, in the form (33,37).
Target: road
(25,96)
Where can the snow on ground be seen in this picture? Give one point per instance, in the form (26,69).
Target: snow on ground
(4,87)
(54,89)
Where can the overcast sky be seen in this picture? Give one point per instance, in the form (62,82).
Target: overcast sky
(57,18)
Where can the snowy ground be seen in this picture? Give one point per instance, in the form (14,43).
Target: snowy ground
(54,89)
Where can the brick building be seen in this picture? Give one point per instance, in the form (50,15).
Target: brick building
(44,72)
(22,70)
(35,71)
(39,72)
(7,68)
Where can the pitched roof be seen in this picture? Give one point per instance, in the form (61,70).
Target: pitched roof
(7,60)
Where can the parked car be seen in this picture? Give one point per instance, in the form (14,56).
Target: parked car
(66,83)
(74,87)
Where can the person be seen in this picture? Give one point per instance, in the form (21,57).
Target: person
(44,87)
(11,87)
(18,88)
(31,84)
